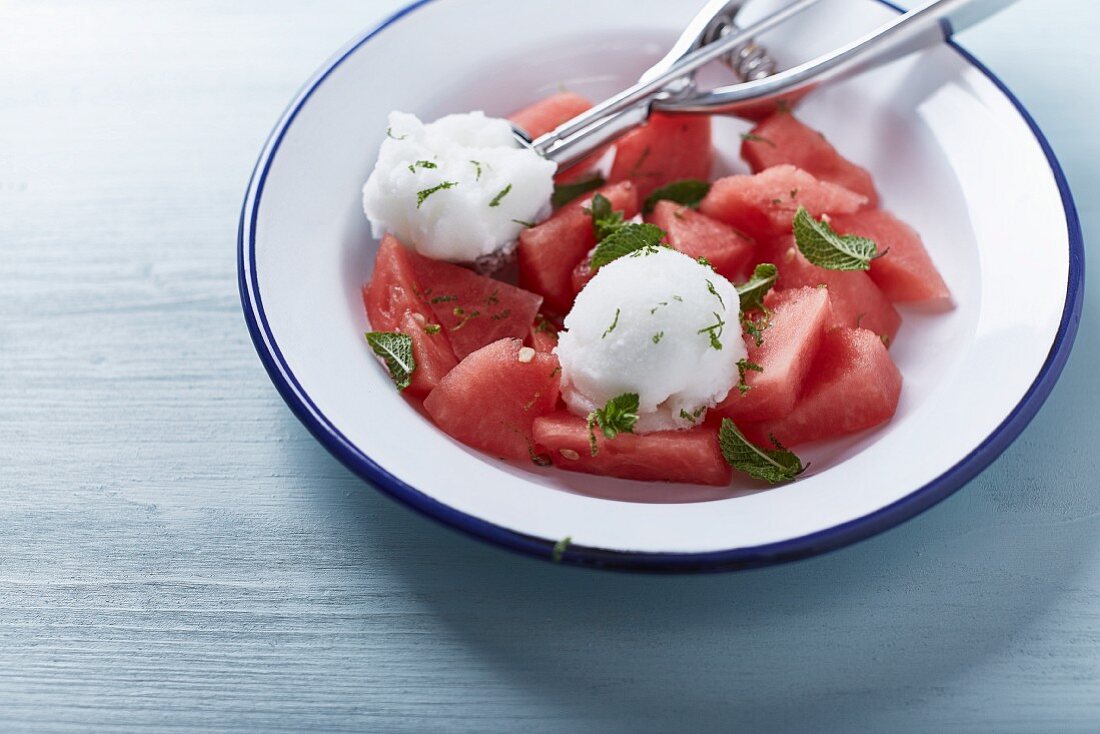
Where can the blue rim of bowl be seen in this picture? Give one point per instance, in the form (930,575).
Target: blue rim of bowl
(734,559)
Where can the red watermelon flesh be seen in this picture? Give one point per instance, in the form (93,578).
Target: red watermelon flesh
(433,354)
(548,252)
(691,456)
(856,301)
(665,149)
(905,272)
(392,289)
(791,340)
(546,114)
(543,336)
(729,251)
(582,273)
(783,139)
(852,385)
(585,168)
(472,309)
(490,400)
(764,205)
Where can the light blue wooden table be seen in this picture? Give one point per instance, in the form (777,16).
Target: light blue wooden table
(176,553)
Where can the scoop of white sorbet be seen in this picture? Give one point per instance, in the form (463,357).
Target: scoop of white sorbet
(456,189)
(659,324)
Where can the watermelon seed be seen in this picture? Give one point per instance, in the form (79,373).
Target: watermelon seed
(570,454)
(526,354)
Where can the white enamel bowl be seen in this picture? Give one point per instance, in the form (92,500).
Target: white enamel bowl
(952,151)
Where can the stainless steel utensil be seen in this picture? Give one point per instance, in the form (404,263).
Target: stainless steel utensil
(712,35)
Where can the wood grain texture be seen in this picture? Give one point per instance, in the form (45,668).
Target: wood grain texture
(176,552)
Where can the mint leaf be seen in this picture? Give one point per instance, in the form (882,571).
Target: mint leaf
(625,240)
(500,196)
(558,551)
(743,366)
(613,324)
(714,292)
(396,350)
(687,191)
(694,415)
(424,194)
(565,193)
(826,249)
(714,331)
(753,291)
(618,416)
(604,220)
(752,138)
(421,164)
(755,326)
(775,466)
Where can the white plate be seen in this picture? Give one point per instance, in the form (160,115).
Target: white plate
(952,151)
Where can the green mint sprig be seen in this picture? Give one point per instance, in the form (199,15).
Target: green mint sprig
(625,240)
(395,349)
(823,247)
(565,193)
(605,220)
(775,466)
(752,292)
(500,196)
(421,164)
(714,331)
(618,416)
(753,138)
(425,193)
(689,192)
(744,366)
(558,551)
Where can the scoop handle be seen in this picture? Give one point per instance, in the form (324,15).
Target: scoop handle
(586,132)
(928,25)
(669,85)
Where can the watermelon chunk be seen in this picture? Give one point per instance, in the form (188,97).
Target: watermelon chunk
(472,309)
(852,385)
(697,235)
(764,205)
(796,327)
(546,114)
(666,456)
(433,354)
(548,252)
(392,289)
(543,336)
(490,400)
(582,273)
(855,300)
(905,272)
(665,149)
(781,138)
